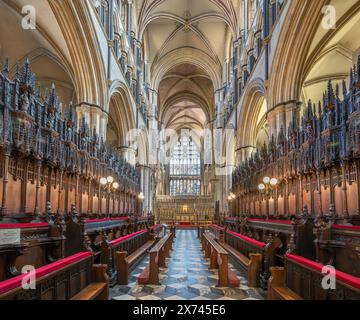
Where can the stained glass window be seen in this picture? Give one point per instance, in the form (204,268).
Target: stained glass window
(185,168)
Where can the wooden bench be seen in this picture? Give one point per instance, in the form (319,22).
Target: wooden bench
(122,255)
(301,279)
(40,243)
(248,253)
(282,233)
(158,255)
(219,260)
(157,229)
(72,278)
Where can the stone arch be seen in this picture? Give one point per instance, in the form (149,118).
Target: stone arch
(87,62)
(143,147)
(252,117)
(287,70)
(50,69)
(121,116)
(332,56)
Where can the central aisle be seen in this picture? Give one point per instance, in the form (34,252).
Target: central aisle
(187,277)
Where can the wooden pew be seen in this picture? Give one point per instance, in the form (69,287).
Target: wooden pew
(254,257)
(338,245)
(249,253)
(216,230)
(157,229)
(74,277)
(84,233)
(158,255)
(219,260)
(126,262)
(282,233)
(297,232)
(123,254)
(302,279)
(40,243)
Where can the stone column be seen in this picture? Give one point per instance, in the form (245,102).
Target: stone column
(129,20)
(95,117)
(243,152)
(146,186)
(281,115)
(129,154)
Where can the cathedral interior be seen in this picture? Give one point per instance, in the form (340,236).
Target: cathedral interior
(179,150)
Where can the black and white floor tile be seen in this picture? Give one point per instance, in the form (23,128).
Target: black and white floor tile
(187,277)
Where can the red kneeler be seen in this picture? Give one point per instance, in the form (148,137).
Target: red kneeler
(233,279)
(144,276)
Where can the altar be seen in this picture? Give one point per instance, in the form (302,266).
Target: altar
(185,210)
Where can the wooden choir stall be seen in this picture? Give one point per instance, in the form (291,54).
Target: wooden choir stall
(55,215)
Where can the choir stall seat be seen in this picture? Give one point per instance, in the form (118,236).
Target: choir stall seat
(74,278)
(301,279)
(40,243)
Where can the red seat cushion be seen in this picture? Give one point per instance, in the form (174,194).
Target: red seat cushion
(272,221)
(106,219)
(23,225)
(155,226)
(185,223)
(16,282)
(247,239)
(129,236)
(233,279)
(144,276)
(341,276)
(342,227)
(187,226)
(217,227)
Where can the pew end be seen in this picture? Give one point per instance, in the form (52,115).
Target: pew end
(100,275)
(277,289)
(254,269)
(122,267)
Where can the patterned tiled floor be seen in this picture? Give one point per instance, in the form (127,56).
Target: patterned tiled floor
(187,277)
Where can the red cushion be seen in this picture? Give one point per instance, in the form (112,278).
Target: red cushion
(341,276)
(272,221)
(187,225)
(120,218)
(217,227)
(144,276)
(247,239)
(129,236)
(353,228)
(16,282)
(106,219)
(23,225)
(233,279)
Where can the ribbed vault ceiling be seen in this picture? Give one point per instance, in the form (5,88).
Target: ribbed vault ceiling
(186,90)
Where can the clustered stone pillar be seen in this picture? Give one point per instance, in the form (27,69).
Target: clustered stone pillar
(146,187)
(129,154)
(281,115)
(219,112)
(95,117)
(242,153)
